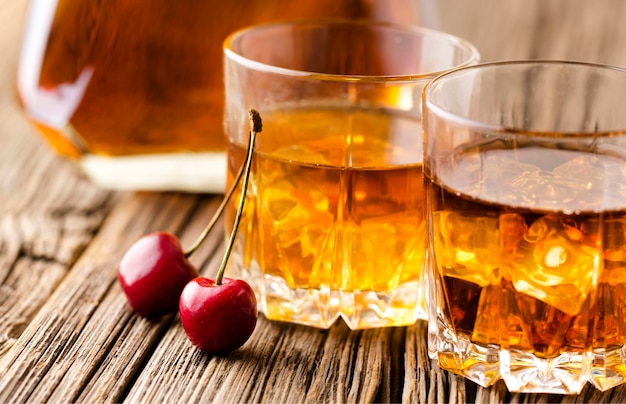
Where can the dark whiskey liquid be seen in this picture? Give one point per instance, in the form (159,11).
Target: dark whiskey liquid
(529,252)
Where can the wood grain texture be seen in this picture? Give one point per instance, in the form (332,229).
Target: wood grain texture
(67,334)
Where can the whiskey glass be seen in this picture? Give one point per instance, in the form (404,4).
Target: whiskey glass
(334,221)
(525,169)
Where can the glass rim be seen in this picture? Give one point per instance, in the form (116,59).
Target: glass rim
(457,42)
(480,125)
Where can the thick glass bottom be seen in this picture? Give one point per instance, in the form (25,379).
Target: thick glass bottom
(188,172)
(524,372)
(321,307)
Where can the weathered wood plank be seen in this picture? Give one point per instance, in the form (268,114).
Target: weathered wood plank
(43,230)
(69,312)
(21,296)
(280,363)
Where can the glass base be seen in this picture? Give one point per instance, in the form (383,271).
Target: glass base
(523,372)
(188,172)
(608,368)
(321,307)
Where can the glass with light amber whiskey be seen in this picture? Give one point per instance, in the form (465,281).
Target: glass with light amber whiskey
(334,221)
(525,168)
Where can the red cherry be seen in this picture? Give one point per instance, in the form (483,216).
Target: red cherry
(153,273)
(218,318)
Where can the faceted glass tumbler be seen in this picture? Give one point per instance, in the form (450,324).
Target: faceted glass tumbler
(334,221)
(525,169)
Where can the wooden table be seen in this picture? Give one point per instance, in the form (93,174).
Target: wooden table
(67,334)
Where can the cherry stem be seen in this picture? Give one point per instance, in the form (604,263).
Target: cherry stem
(216,215)
(256,126)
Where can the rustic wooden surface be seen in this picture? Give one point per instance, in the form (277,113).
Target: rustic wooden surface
(66,333)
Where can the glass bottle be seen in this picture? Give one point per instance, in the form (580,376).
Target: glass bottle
(132,90)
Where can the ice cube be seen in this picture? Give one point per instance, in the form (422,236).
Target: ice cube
(587,168)
(313,238)
(533,179)
(467,247)
(290,206)
(554,264)
(370,249)
(526,185)
(498,177)
(596,182)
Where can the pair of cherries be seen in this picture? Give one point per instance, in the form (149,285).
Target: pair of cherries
(157,278)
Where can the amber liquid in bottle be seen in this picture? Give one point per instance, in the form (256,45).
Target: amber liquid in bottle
(128,78)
